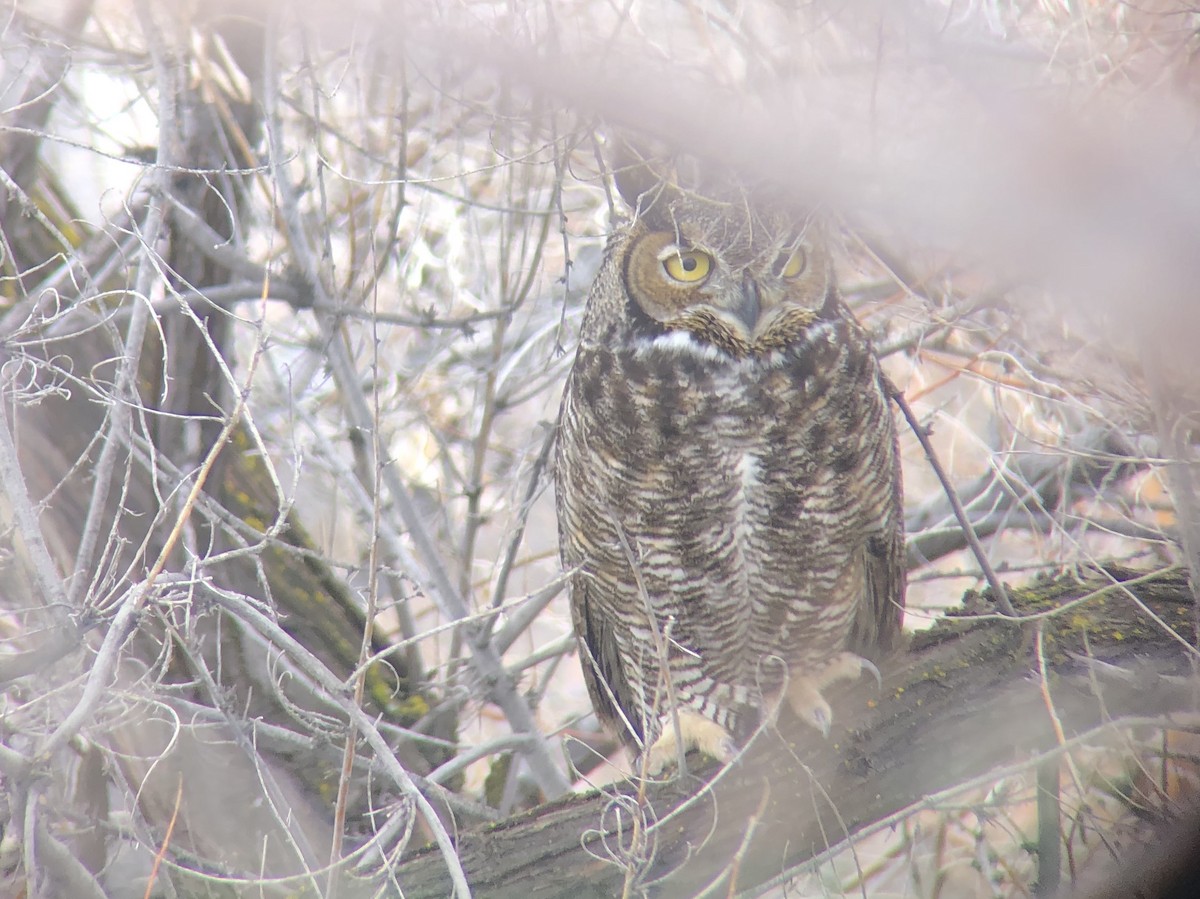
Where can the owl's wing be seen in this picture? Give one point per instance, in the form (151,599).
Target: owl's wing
(876,627)
(601,661)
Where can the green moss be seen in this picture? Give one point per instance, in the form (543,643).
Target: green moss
(493,786)
(315,606)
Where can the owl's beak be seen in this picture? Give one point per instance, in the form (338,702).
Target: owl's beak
(751,305)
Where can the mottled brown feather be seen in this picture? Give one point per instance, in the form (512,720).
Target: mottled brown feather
(728,491)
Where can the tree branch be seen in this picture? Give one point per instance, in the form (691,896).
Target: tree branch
(958,708)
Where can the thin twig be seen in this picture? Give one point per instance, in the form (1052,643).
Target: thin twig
(125,394)
(360,720)
(1049,822)
(364,652)
(533,482)
(1060,733)
(998,591)
(98,678)
(161,853)
(948,797)
(730,871)
(299,243)
(1180,471)
(59,866)
(246,737)
(52,593)
(487,663)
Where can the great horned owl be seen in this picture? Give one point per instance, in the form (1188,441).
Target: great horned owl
(727,474)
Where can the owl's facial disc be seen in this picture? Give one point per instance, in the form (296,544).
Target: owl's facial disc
(742,302)
(672,281)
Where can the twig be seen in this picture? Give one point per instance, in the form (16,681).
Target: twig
(998,591)
(98,678)
(59,865)
(1162,625)
(246,740)
(485,660)
(257,734)
(464,760)
(1060,733)
(551,650)
(52,594)
(198,482)
(359,719)
(660,636)
(731,870)
(161,853)
(360,674)
(523,615)
(1038,484)
(1180,474)
(390,540)
(531,489)
(948,796)
(1049,818)
(125,394)
(484,657)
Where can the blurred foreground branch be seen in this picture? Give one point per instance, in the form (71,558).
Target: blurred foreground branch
(392,208)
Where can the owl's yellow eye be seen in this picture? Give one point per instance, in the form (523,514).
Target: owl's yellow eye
(688,266)
(794,264)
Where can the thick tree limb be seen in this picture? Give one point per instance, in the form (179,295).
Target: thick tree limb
(964,702)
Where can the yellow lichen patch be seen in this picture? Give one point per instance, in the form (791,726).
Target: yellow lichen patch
(414,707)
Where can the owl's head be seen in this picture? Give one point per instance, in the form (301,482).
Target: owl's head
(732,268)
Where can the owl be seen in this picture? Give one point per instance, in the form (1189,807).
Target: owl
(727,474)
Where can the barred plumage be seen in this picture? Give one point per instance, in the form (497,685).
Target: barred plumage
(727,474)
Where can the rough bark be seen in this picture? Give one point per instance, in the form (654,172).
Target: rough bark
(966,700)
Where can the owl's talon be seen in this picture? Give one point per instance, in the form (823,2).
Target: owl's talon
(804,692)
(804,696)
(697,732)
(844,666)
(868,665)
(728,750)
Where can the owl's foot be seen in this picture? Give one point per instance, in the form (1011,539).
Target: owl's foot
(696,732)
(804,691)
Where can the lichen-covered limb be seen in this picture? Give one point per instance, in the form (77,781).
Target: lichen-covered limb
(932,727)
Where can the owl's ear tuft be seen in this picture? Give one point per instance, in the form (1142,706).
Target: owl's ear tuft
(643,178)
